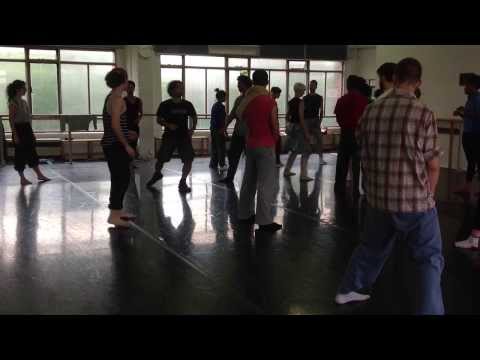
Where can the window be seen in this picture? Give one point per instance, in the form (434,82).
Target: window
(74,89)
(238,62)
(279,79)
(297,65)
(215,80)
(43,55)
(9,71)
(202,74)
(43,78)
(256,63)
(333,92)
(296,77)
(87,56)
(12,53)
(326,65)
(167,75)
(195,89)
(205,61)
(98,88)
(170,60)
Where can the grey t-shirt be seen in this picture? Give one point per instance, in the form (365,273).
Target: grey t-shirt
(240,128)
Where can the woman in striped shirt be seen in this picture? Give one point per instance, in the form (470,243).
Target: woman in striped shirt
(116,147)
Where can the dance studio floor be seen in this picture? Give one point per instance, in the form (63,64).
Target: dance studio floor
(186,255)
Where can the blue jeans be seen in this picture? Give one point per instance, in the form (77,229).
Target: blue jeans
(421,231)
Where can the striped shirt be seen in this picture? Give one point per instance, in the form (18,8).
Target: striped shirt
(398,136)
(109,137)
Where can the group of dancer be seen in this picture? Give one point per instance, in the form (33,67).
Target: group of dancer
(393,139)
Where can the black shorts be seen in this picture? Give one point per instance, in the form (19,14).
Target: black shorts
(183,144)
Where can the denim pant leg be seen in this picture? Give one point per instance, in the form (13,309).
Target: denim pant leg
(425,245)
(369,257)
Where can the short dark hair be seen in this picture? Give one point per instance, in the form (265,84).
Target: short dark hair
(408,70)
(387,70)
(245,80)
(13,87)
(314,81)
(276,90)
(116,77)
(220,94)
(260,77)
(355,82)
(172,85)
(472,79)
(130,82)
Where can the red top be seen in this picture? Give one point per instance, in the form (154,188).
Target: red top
(257,116)
(349,109)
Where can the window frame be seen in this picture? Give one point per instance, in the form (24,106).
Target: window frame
(27,61)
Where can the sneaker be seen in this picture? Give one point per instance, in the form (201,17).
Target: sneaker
(156,176)
(470,243)
(279,165)
(270,228)
(288,173)
(183,188)
(352,296)
(323,162)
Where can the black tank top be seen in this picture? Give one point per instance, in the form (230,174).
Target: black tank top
(293,106)
(109,137)
(132,112)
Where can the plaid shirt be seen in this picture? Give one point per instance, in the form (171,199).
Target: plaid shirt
(397,136)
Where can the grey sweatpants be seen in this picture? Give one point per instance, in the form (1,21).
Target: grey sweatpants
(259,176)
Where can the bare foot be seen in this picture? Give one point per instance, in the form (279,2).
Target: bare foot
(25,182)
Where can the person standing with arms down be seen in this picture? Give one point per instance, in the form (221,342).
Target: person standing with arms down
(276,92)
(313,118)
(217,131)
(237,143)
(348,110)
(134,114)
(471,130)
(400,156)
(173,114)
(20,118)
(259,112)
(118,152)
(299,139)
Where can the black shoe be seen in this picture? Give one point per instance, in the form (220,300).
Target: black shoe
(248,221)
(156,176)
(183,188)
(270,228)
(214,167)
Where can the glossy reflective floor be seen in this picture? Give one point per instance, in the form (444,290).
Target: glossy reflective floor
(187,255)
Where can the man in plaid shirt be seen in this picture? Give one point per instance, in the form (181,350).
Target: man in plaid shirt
(397,136)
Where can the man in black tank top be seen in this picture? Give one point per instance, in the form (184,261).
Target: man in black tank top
(134,114)
(173,114)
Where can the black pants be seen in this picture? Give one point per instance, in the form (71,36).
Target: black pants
(218,149)
(471,147)
(25,152)
(278,149)
(134,143)
(237,147)
(118,162)
(347,150)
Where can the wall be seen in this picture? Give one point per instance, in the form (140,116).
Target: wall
(442,65)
